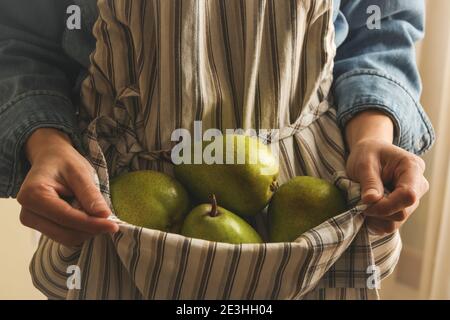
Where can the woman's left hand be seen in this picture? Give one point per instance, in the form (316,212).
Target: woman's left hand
(376,163)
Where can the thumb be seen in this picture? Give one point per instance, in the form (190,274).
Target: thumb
(372,188)
(81,182)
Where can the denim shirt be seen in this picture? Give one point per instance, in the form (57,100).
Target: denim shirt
(42,64)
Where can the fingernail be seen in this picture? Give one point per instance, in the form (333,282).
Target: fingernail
(99,207)
(371,192)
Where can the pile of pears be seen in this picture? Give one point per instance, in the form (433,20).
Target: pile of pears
(212,201)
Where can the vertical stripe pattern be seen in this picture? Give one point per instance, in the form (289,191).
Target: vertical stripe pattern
(159,65)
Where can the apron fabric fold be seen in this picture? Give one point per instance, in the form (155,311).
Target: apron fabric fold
(266,65)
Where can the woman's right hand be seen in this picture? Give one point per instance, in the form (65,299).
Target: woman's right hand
(58,171)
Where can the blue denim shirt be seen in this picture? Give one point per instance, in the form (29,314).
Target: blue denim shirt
(42,63)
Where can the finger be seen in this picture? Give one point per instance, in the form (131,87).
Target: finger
(409,186)
(410,176)
(399,216)
(402,215)
(63,190)
(81,181)
(44,201)
(381,226)
(405,195)
(371,185)
(56,232)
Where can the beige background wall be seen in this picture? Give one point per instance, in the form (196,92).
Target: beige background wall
(17,245)
(423,269)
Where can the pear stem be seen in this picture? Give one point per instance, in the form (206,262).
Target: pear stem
(214,212)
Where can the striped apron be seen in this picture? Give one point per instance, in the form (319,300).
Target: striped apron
(160,65)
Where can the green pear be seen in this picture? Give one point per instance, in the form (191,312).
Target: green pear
(150,199)
(243,177)
(302,204)
(213,223)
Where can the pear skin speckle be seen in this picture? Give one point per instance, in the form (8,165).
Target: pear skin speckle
(150,199)
(302,204)
(223,227)
(245,187)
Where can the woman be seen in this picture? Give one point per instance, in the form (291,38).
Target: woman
(376,92)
